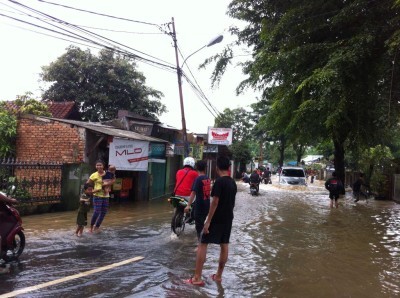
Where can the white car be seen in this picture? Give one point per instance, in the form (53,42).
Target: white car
(292,176)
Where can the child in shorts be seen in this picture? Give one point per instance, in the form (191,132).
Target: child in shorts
(108,179)
(84,206)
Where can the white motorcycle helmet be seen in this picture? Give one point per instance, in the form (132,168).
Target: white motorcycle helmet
(189,161)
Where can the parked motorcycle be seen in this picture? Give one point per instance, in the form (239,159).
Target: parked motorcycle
(254,188)
(12,237)
(180,218)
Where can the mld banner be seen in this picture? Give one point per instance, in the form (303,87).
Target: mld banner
(129,155)
(219,136)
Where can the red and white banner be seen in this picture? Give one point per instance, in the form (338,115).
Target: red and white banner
(129,155)
(219,136)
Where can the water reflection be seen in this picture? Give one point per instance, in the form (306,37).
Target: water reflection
(286,242)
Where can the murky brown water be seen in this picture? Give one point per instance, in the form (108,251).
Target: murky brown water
(285,243)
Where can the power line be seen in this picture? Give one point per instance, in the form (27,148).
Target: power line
(80,29)
(56,37)
(202,94)
(197,92)
(121,31)
(168,65)
(91,27)
(100,14)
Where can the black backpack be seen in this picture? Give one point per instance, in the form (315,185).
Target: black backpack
(334,186)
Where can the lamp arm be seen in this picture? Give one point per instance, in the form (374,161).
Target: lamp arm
(184,61)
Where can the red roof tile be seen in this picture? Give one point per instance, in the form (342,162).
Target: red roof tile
(61,110)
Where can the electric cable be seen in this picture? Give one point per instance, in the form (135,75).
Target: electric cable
(56,37)
(198,86)
(84,30)
(97,13)
(199,95)
(109,41)
(91,27)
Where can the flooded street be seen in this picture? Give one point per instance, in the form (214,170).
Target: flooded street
(286,242)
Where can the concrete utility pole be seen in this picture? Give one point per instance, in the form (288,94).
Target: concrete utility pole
(214,41)
(179,74)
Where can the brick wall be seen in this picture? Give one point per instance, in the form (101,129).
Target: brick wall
(41,139)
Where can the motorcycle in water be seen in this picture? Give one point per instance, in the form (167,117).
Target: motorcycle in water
(254,188)
(180,218)
(12,237)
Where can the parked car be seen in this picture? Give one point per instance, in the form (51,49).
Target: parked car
(293,176)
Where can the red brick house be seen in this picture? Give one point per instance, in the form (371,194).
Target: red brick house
(75,145)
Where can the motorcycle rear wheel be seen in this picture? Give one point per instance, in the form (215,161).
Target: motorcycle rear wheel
(18,247)
(178,222)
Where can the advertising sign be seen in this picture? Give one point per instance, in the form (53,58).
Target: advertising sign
(129,155)
(219,136)
(196,151)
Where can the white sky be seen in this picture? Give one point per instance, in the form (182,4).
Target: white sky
(24,52)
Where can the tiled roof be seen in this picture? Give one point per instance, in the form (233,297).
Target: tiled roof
(61,110)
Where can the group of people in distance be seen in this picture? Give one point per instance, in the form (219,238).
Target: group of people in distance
(213,210)
(96,189)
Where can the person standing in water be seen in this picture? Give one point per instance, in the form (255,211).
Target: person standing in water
(100,198)
(218,225)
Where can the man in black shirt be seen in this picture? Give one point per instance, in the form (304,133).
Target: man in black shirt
(218,224)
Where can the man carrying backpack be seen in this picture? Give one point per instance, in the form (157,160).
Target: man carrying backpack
(335,187)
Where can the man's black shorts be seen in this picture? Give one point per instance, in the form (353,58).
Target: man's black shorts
(333,196)
(199,220)
(218,234)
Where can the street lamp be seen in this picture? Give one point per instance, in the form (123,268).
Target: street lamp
(179,74)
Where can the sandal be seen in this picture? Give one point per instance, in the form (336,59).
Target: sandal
(200,283)
(213,277)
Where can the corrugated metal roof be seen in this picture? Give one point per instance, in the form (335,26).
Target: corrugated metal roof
(109,130)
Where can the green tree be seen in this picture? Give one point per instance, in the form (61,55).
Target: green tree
(24,104)
(8,131)
(377,162)
(242,154)
(100,85)
(238,120)
(325,66)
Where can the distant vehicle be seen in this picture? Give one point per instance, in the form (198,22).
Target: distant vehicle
(293,176)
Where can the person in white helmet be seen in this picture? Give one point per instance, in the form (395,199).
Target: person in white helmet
(185,178)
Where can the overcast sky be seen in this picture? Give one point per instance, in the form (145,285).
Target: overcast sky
(24,52)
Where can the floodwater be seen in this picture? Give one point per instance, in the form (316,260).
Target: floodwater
(286,242)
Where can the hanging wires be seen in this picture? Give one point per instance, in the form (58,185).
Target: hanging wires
(101,40)
(198,91)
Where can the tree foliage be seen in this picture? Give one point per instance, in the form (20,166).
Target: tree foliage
(8,131)
(23,104)
(237,119)
(328,69)
(100,85)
